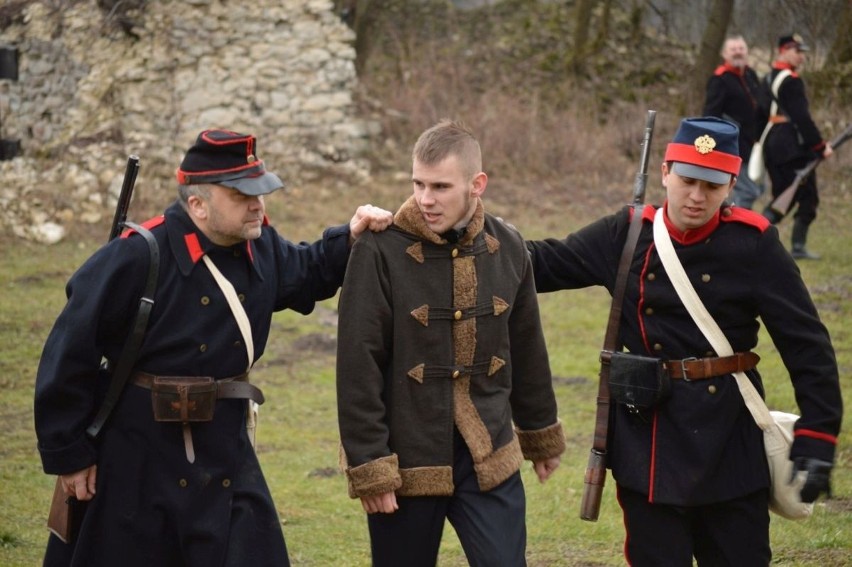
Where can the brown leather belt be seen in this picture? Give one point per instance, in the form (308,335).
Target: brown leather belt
(700,368)
(778,119)
(232,387)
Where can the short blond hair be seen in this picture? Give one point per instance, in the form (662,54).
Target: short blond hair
(449,138)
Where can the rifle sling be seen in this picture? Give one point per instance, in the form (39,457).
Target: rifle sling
(611,342)
(130,351)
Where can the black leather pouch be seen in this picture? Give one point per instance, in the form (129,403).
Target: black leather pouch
(639,382)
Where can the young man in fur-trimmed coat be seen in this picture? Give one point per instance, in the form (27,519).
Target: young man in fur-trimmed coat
(443,379)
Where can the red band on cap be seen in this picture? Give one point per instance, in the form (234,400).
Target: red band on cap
(687,153)
(212,176)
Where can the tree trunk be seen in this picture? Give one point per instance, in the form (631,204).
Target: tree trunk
(718,18)
(603,25)
(841,49)
(581,34)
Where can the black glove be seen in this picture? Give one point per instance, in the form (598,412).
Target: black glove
(817,480)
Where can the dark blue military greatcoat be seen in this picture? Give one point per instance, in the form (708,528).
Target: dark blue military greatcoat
(152,506)
(701,446)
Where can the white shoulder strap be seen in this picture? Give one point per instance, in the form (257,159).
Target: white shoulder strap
(705,322)
(776,84)
(773,107)
(236,307)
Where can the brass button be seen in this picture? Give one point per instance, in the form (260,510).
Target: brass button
(711,388)
(182,482)
(726,212)
(652,277)
(205,300)
(455,252)
(238,343)
(226,483)
(242,297)
(203,348)
(658,347)
(456,373)
(649,311)
(457,315)
(705,278)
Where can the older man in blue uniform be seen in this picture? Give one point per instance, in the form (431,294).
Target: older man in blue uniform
(691,472)
(167,492)
(732,93)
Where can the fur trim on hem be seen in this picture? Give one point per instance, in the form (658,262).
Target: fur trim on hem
(499,465)
(376,477)
(542,444)
(426,481)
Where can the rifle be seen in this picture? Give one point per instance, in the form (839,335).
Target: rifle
(781,204)
(66,512)
(595,476)
(123,204)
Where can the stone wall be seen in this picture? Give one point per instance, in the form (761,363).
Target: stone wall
(97,85)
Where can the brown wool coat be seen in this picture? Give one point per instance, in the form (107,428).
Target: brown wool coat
(434,334)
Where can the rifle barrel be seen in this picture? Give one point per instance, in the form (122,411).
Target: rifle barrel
(642,176)
(123,204)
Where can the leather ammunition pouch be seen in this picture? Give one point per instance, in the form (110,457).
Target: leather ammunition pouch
(184,399)
(638,382)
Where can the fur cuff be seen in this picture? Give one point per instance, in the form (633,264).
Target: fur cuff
(542,444)
(376,477)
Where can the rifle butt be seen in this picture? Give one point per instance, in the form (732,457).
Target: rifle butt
(781,204)
(593,486)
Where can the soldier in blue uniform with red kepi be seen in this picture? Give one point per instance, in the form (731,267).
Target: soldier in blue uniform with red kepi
(792,142)
(691,472)
(186,493)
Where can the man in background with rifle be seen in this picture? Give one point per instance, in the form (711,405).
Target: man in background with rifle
(687,457)
(171,477)
(781,204)
(793,141)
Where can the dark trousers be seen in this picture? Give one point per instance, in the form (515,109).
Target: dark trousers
(490,525)
(727,534)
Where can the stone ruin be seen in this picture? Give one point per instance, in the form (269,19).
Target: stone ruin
(96,81)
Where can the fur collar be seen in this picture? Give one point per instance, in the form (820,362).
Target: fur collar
(409,219)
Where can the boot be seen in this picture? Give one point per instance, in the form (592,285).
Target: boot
(799,237)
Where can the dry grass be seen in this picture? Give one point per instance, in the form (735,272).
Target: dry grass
(558,155)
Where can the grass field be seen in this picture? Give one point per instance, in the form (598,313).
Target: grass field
(297,437)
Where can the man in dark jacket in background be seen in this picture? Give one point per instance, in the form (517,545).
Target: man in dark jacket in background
(163,492)
(792,142)
(732,93)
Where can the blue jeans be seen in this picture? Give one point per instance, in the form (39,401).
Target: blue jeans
(746,191)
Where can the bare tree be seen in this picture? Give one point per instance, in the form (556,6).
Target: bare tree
(841,49)
(718,18)
(582,21)
(361,16)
